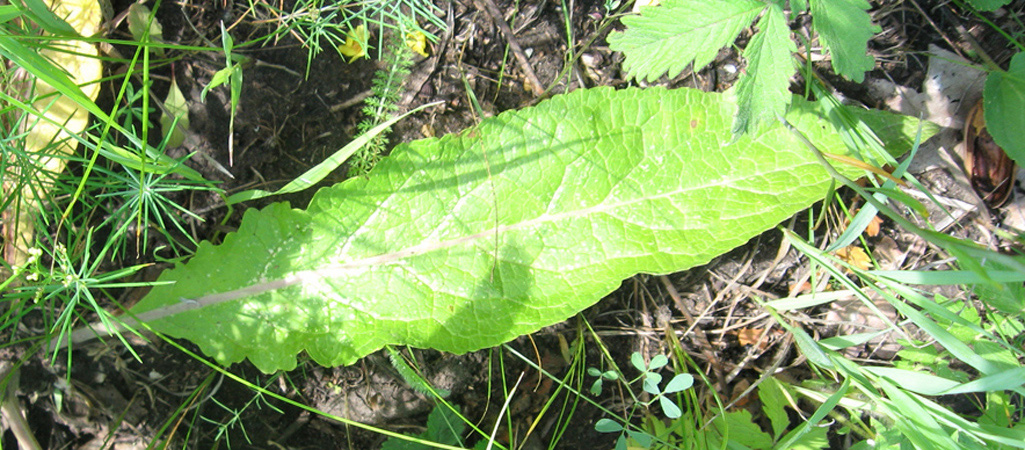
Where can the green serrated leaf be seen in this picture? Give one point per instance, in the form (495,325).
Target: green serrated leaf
(591,187)
(666,38)
(762,93)
(444,426)
(771,394)
(844,27)
(987,5)
(1004,101)
(738,427)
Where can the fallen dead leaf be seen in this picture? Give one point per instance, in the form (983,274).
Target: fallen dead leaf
(50,138)
(987,165)
(749,336)
(872,230)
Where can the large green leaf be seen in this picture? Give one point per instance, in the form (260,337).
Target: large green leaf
(1004,101)
(471,240)
(987,5)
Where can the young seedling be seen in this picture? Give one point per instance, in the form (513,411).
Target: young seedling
(611,426)
(232,75)
(608,375)
(650,380)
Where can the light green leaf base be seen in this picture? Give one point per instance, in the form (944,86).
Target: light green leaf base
(1004,105)
(468,241)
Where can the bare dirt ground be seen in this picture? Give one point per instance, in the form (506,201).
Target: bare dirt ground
(288,122)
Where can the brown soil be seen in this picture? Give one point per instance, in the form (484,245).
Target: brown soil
(288,122)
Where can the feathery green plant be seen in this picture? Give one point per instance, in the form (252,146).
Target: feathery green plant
(121,175)
(329,23)
(411,376)
(396,59)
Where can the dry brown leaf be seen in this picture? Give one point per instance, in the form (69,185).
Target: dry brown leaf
(987,165)
(738,390)
(888,254)
(749,336)
(872,230)
(800,288)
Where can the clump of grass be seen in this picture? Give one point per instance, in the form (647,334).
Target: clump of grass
(122,189)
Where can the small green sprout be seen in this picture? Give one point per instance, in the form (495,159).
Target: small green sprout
(608,375)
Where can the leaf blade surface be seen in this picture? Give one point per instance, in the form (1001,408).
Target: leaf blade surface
(591,187)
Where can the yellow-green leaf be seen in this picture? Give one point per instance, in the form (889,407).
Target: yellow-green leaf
(175,108)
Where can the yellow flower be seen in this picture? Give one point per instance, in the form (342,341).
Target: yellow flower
(417,42)
(354,43)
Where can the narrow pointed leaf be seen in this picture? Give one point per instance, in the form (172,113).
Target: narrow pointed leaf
(317,174)
(763,93)
(175,122)
(471,240)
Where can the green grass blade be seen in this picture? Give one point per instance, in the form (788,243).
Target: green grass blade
(322,170)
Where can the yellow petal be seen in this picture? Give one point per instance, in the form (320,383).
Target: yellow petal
(642,3)
(417,42)
(353,47)
(80,60)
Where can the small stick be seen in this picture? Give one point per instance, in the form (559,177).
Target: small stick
(510,37)
(699,334)
(11,410)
